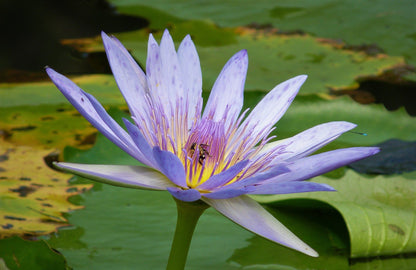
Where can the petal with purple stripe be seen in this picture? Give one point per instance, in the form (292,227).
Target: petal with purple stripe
(271,108)
(226,98)
(186,195)
(258,178)
(171,166)
(249,214)
(119,175)
(189,61)
(100,120)
(223,177)
(309,140)
(130,78)
(225,193)
(308,167)
(141,143)
(289,187)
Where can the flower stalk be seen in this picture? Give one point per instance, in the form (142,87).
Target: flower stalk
(188,216)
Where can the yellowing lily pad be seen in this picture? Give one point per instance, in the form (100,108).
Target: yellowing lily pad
(51,126)
(33,197)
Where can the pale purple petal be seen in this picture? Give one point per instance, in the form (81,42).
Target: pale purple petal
(141,143)
(271,108)
(191,69)
(223,177)
(100,120)
(226,193)
(249,214)
(226,98)
(171,166)
(171,69)
(289,187)
(258,178)
(309,140)
(154,73)
(119,175)
(130,78)
(186,195)
(318,164)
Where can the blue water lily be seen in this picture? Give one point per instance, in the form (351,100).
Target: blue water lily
(218,155)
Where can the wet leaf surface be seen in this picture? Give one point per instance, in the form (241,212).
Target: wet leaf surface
(17,253)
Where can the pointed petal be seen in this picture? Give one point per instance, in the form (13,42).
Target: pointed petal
(309,140)
(130,78)
(271,108)
(289,187)
(83,102)
(119,175)
(226,98)
(249,214)
(191,68)
(171,166)
(223,177)
(171,69)
(315,165)
(186,195)
(154,72)
(165,78)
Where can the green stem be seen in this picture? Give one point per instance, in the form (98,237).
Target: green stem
(188,215)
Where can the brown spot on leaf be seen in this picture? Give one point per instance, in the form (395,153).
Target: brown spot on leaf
(24,128)
(396,229)
(25,179)
(46,118)
(89,139)
(23,190)
(14,218)
(7,226)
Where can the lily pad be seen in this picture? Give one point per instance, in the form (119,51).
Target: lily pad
(33,197)
(14,94)
(388,24)
(379,211)
(52,126)
(17,253)
(273,57)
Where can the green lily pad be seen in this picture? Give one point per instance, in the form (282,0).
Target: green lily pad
(33,197)
(389,25)
(379,211)
(17,253)
(273,58)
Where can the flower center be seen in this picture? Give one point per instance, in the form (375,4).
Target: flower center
(204,151)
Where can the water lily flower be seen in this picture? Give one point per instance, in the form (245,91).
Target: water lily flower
(217,156)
